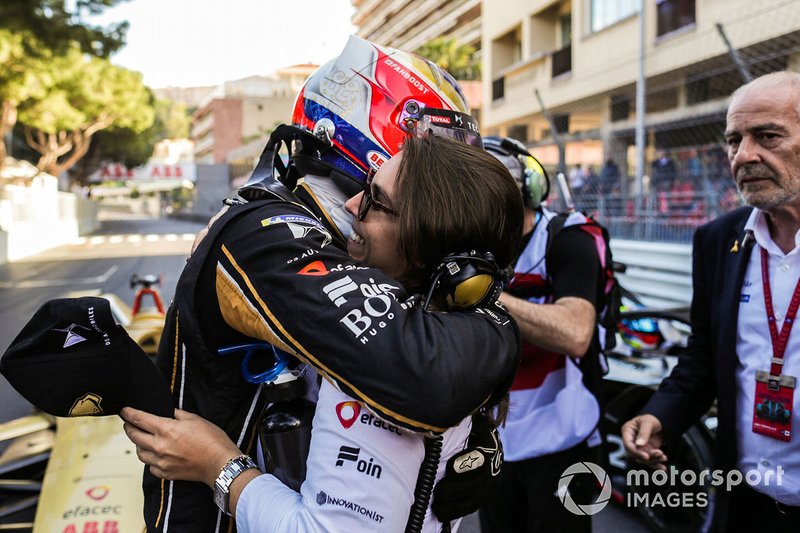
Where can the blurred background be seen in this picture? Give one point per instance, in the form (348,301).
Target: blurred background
(123,123)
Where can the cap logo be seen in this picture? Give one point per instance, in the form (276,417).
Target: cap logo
(72,337)
(87,405)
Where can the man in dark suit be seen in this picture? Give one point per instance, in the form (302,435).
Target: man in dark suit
(746,293)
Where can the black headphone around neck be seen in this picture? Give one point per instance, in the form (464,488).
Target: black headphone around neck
(467,280)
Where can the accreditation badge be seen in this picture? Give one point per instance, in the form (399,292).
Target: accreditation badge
(772,409)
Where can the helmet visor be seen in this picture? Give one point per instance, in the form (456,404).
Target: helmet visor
(446,123)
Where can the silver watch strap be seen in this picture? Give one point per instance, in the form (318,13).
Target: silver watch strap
(229,472)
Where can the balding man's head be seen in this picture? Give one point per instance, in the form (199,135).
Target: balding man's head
(763,137)
(782,81)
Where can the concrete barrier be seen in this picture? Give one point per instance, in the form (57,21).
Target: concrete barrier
(659,273)
(35,220)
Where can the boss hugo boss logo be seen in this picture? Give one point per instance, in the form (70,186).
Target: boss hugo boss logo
(375,311)
(349,454)
(326,499)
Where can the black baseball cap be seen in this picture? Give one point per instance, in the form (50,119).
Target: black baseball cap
(73,359)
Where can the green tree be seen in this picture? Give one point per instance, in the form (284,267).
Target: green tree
(84,95)
(131,148)
(172,119)
(22,77)
(457,59)
(60,23)
(32,33)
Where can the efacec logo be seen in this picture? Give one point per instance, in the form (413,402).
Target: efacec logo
(324,498)
(349,412)
(350,454)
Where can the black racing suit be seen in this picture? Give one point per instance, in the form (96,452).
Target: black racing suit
(276,270)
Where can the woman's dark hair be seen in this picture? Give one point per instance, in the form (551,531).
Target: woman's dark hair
(454,198)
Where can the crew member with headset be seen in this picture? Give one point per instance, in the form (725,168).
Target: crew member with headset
(275,270)
(555,296)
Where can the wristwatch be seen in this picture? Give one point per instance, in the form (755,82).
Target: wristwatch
(229,472)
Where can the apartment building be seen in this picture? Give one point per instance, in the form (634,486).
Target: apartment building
(582,59)
(407,25)
(236,112)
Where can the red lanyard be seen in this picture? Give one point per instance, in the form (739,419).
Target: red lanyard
(779,341)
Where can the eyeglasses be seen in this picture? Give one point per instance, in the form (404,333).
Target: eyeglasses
(367,200)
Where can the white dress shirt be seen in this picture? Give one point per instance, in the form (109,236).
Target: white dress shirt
(758,453)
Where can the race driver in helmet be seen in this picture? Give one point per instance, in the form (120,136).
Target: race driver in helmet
(276,270)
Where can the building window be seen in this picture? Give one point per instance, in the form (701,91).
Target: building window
(561,122)
(565,21)
(506,50)
(499,88)
(607,12)
(562,61)
(674,15)
(518,132)
(620,107)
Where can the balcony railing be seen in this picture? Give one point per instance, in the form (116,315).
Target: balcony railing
(562,61)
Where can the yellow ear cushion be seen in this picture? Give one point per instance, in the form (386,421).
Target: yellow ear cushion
(471,291)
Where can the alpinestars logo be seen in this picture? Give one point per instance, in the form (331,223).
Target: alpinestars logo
(348,413)
(350,454)
(72,337)
(475,458)
(375,310)
(300,226)
(323,498)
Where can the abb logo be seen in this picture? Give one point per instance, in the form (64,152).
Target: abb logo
(108,526)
